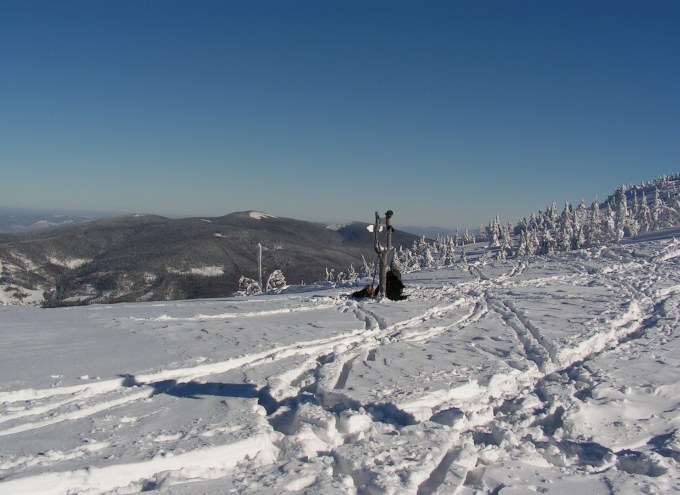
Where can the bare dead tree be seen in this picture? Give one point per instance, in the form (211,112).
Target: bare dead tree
(383,251)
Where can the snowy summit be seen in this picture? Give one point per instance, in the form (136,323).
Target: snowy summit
(551,374)
(258,215)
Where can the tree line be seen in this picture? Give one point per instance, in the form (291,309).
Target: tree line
(630,211)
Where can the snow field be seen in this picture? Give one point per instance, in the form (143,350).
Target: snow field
(542,374)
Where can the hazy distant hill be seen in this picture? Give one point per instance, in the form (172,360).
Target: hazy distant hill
(147,257)
(17,220)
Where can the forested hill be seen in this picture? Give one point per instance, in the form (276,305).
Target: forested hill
(629,211)
(147,257)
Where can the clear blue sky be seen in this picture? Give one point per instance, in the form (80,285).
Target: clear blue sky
(447,112)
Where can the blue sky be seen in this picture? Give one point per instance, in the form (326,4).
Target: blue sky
(447,112)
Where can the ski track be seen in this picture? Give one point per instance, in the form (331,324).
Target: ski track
(325,372)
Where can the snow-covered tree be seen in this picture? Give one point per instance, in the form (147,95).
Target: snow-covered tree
(367,269)
(468,238)
(551,216)
(427,257)
(579,239)
(644,214)
(548,243)
(566,229)
(523,245)
(494,233)
(657,211)
(593,234)
(248,287)
(457,239)
(276,281)
(580,215)
(609,229)
(352,275)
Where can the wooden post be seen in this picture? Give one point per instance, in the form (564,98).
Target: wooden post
(383,252)
(259,266)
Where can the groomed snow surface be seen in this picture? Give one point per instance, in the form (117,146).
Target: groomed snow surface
(543,375)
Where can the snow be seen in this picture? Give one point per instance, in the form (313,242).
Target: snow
(555,375)
(72,263)
(204,271)
(258,215)
(336,227)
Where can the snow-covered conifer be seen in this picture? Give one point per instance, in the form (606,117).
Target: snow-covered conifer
(534,243)
(579,239)
(609,230)
(548,243)
(533,222)
(468,238)
(593,233)
(523,245)
(657,210)
(644,214)
(248,287)
(566,229)
(352,275)
(621,214)
(551,216)
(581,215)
(276,281)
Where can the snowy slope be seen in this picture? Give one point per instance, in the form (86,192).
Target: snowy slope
(547,375)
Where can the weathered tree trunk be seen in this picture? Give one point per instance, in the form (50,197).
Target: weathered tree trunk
(383,251)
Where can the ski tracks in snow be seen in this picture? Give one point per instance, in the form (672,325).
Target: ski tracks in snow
(309,410)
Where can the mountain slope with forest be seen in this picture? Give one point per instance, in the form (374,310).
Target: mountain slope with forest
(148,257)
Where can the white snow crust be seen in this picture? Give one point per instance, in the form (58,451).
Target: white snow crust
(556,375)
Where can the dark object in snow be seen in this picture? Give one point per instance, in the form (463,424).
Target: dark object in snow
(367,291)
(393,284)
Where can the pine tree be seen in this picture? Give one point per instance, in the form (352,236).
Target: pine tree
(594,232)
(581,216)
(566,231)
(551,216)
(494,230)
(579,240)
(548,243)
(506,241)
(248,287)
(621,215)
(609,223)
(276,281)
(352,275)
(533,222)
(534,244)
(644,214)
(657,211)
(468,238)
(367,268)
(523,246)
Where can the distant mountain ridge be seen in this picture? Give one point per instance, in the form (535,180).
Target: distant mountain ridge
(150,257)
(12,220)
